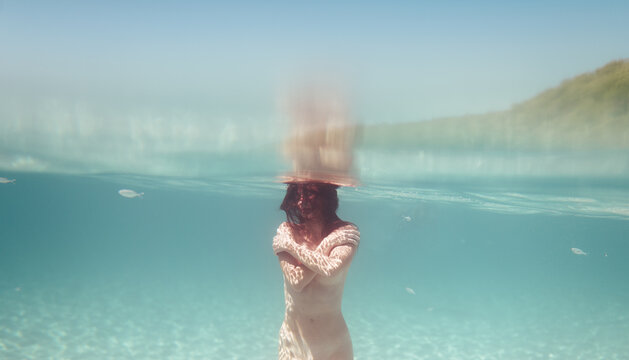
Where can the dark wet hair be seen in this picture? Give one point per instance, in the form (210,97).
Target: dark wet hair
(326,192)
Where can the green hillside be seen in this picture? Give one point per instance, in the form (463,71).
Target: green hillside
(590,111)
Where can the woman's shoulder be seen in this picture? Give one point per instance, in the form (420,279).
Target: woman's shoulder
(345,226)
(284,228)
(345,229)
(345,233)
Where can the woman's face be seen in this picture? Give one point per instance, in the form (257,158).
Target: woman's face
(309,201)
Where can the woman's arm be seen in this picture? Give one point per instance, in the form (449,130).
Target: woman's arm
(328,266)
(296,276)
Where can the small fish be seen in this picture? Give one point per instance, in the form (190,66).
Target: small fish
(130,193)
(6,181)
(578,251)
(407,218)
(410,291)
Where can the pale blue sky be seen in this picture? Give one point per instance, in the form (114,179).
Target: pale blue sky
(405,60)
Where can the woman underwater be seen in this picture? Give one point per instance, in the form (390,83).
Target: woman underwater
(315,249)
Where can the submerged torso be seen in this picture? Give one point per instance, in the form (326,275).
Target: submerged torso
(314,327)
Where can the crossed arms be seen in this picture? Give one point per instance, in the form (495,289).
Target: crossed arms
(300,264)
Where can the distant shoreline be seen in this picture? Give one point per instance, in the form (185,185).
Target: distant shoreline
(587,112)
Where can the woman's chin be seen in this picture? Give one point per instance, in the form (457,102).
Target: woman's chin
(311,216)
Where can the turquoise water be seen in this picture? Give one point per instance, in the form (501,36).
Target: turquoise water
(187,271)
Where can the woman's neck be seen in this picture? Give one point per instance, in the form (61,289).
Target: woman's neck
(316,229)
